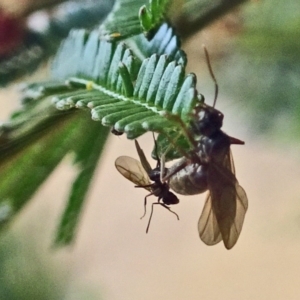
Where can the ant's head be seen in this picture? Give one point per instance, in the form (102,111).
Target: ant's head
(207,121)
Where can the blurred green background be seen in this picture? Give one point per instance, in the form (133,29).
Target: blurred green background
(264,69)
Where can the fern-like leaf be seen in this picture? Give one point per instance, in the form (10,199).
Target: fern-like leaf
(152,14)
(120,92)
(38,146)
(88,151)
(132,89)
(141,16)
(165,41)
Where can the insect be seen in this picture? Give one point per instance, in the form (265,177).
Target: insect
(209,166)
(141,174)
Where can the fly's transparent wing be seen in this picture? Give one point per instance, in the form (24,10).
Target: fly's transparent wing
(229,163)
(230,211)
(133,170)
(208,227)
(228,201)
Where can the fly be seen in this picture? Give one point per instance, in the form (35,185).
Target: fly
(209,166)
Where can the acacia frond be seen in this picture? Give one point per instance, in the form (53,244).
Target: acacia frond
(121,91)
(132,17)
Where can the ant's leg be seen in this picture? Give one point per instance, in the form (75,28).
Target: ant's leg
(169,209)
(142,157)
(156,151)
(145,205)
(147,229)
(162,204)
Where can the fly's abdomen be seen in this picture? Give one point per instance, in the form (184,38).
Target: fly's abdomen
(191,180)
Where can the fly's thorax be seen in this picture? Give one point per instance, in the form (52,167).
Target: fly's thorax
(214,148)
(191,180)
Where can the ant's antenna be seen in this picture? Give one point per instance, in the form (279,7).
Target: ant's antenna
(211,74)
(156,150)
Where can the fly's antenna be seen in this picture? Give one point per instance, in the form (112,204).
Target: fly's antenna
(212,75)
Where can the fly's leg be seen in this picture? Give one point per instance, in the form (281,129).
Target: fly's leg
(175,168)
(185,154)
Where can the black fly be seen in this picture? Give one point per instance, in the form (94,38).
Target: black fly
(209,166)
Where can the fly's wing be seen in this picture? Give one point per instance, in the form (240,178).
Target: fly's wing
(133,170)
(208,227)
(229,163)
(142,157)
(226,206)
(230,209)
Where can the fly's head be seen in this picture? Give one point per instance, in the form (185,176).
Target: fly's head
(207,121)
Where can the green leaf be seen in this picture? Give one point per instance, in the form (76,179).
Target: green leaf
(36,141)
(129,18)
(152,14)
(123,20)
(120,91)
(28,156)
(114,98)
(88,152)
(165,41)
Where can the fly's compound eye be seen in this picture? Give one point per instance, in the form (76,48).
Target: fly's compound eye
(220,117)
(201,115)
(208,121)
